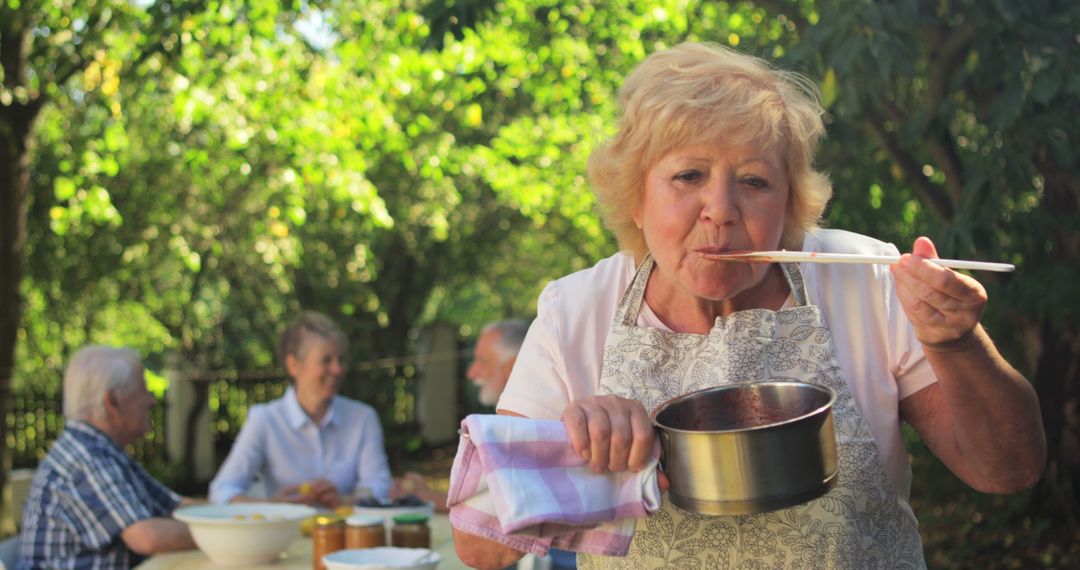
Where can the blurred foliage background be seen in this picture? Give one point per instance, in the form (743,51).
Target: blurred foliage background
(183,176)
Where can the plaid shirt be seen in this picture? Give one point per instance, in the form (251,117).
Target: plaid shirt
(84,494)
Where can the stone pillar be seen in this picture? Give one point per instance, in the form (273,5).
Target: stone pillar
(15,492)
(436,390)
(182,421)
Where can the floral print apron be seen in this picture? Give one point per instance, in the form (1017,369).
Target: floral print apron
(860,523)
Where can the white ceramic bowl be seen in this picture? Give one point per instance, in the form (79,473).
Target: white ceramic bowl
(244,534)
(383,558)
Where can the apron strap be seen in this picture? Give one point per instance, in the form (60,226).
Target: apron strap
(630,303)
(795,281)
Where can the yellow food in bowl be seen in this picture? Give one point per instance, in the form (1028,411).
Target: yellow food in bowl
(306,525)
(251,517)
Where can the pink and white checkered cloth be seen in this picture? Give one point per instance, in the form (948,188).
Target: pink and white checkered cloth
(518,481)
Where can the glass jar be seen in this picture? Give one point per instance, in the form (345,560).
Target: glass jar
(411,531)
(364,532)
(328,535)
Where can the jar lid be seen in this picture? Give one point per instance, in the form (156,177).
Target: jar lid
(322,520)
(412,518)
(364,520)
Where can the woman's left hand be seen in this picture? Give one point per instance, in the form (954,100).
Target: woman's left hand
(944,306)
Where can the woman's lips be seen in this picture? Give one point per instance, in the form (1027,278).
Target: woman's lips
(719,251)
(730,255)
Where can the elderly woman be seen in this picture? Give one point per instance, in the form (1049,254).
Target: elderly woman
(311,445)
(714,153)
(91,505)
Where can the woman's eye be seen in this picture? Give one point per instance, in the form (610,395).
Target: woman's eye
(688,176)
(755,182)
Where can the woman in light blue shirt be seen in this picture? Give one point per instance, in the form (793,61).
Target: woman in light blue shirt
(311,445)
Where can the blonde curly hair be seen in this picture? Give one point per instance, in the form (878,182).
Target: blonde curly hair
(695,93)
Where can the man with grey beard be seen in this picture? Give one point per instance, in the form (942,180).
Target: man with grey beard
(494,355)
(493,358)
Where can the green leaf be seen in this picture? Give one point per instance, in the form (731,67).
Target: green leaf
(828,88)
(63,188)
(1047,84)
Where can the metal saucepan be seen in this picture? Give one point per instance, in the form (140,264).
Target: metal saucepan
(748,448)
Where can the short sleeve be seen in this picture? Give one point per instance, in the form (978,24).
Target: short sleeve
(106,499)
(909,364)
(163,499)
(537,387)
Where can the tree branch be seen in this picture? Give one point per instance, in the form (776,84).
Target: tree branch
(941,149)
(947,50)
(931,194)
(948,161)
(944,61)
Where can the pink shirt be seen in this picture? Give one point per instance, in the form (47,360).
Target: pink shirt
(879,355)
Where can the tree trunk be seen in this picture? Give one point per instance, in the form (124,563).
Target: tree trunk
(15,123)
(1057,376)
(1057,380)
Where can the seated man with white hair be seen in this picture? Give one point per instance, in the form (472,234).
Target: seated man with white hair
(91,505)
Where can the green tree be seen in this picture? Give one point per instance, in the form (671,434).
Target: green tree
(44,48)
(956,120)
(188,175)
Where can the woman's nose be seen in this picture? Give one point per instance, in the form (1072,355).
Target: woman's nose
(718,202)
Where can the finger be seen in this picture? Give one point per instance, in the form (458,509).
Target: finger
(923,281)
(911,294)
(916,269)
(663,481)
(331,499)
(644,440)
(950,282)
(330,493)
(923,247)
(943,289)
(599,439)
(621,441)
(577,429)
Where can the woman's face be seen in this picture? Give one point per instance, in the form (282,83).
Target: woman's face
(710,198)
(317,368)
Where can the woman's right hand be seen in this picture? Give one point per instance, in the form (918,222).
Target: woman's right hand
(611,433)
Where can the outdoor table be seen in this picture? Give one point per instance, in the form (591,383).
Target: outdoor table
(298,556)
